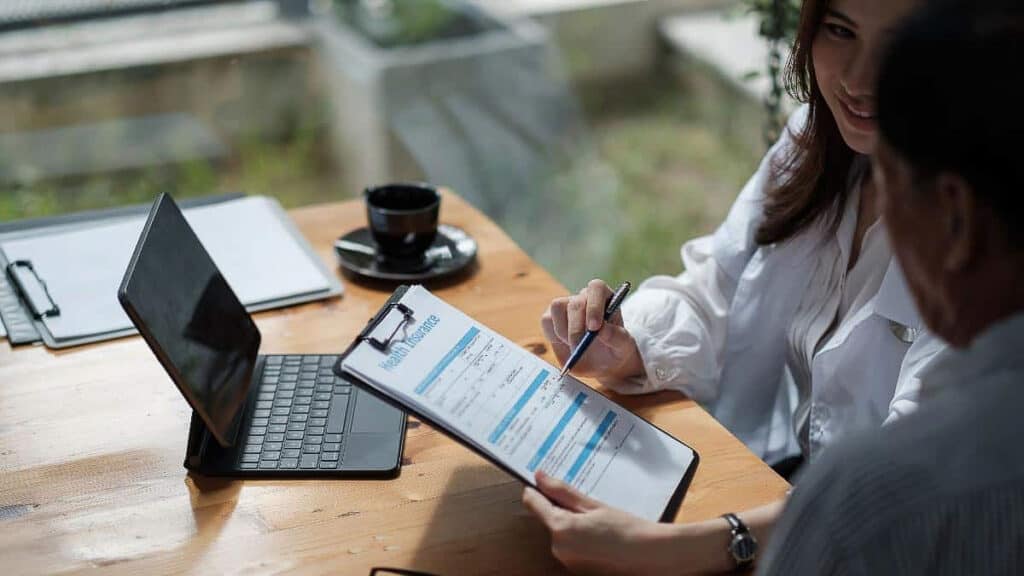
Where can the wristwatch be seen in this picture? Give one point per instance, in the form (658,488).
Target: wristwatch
(743,545)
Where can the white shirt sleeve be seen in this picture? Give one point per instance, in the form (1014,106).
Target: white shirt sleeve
(922,354)
(679,323)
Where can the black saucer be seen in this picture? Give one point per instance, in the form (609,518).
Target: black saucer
(461,247)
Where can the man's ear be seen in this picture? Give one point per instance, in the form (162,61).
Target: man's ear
(960,215)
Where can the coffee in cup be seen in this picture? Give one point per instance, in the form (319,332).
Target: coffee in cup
(403,219)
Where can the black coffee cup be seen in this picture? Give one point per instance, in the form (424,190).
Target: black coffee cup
(403,219)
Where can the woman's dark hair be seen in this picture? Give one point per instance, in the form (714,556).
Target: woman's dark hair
(951,98)
(811,181)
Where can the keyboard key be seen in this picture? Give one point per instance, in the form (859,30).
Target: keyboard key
(293,435)
(328,464)
(259,422)
(262,396)
(290,453)
(324,387)
(328,361)
(271,446)
(304,393)
(253,457)
(296,427)
(280,411)
(303,400)
(322,396)
(311,439)
(310,448)
(336,421)
(260,413)
(268,464)
(290,369)
(271,455)
(310,359)
(318,413)
(332,447)
(329,456)
(317,421)
(274,360)
(315,430)
(296,417)
(278,420)
(332,438)
(247,465)
(308,461)
(278,429)
(253,448)
(321,405)
(300,410)
(288,463)
(257,430)
(293,444)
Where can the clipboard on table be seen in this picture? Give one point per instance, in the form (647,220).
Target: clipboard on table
(380,338)
(59,276)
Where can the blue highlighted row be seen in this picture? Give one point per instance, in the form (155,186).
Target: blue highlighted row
(496,435)
(590,446)
(556,432)
(451,355)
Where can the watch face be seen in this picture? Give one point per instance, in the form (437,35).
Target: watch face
(743,547)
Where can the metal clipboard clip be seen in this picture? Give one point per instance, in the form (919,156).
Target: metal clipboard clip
(383,345)
(21,270)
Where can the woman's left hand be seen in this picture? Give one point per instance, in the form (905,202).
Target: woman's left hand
(591,538)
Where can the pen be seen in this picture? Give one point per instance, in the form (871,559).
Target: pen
(609,310)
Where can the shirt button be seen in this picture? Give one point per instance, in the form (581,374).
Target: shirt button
(660,373)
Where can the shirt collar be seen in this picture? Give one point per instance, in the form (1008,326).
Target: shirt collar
(894,301)
(997,348)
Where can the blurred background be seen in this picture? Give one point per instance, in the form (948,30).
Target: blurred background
(600,134)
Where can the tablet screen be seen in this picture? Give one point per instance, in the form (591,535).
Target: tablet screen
(191,319)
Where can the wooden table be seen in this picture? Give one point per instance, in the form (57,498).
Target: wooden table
(92,440)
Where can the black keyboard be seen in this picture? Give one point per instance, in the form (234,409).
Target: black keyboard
(298,421)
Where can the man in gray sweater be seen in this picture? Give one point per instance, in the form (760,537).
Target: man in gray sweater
(941,492)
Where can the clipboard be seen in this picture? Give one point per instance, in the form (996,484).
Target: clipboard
(33,311)
(381,342)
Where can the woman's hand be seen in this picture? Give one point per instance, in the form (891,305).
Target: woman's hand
(613,354)
(591,538)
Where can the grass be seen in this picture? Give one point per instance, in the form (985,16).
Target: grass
(679,146)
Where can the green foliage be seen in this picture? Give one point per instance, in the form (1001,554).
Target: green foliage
(780,20)
(394,23)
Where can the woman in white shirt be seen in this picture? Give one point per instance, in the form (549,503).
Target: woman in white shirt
(792,323)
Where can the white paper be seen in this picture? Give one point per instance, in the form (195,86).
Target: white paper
(510,404)
(83,268)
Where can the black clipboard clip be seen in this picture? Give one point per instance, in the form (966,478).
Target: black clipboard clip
(383,345)
(17,279)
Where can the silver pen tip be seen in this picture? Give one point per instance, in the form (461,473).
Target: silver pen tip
(563,372)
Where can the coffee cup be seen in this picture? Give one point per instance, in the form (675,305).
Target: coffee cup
(403,219)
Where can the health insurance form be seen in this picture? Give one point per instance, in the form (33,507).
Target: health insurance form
(504,401)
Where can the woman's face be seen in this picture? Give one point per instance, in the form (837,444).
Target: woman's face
(846,53)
